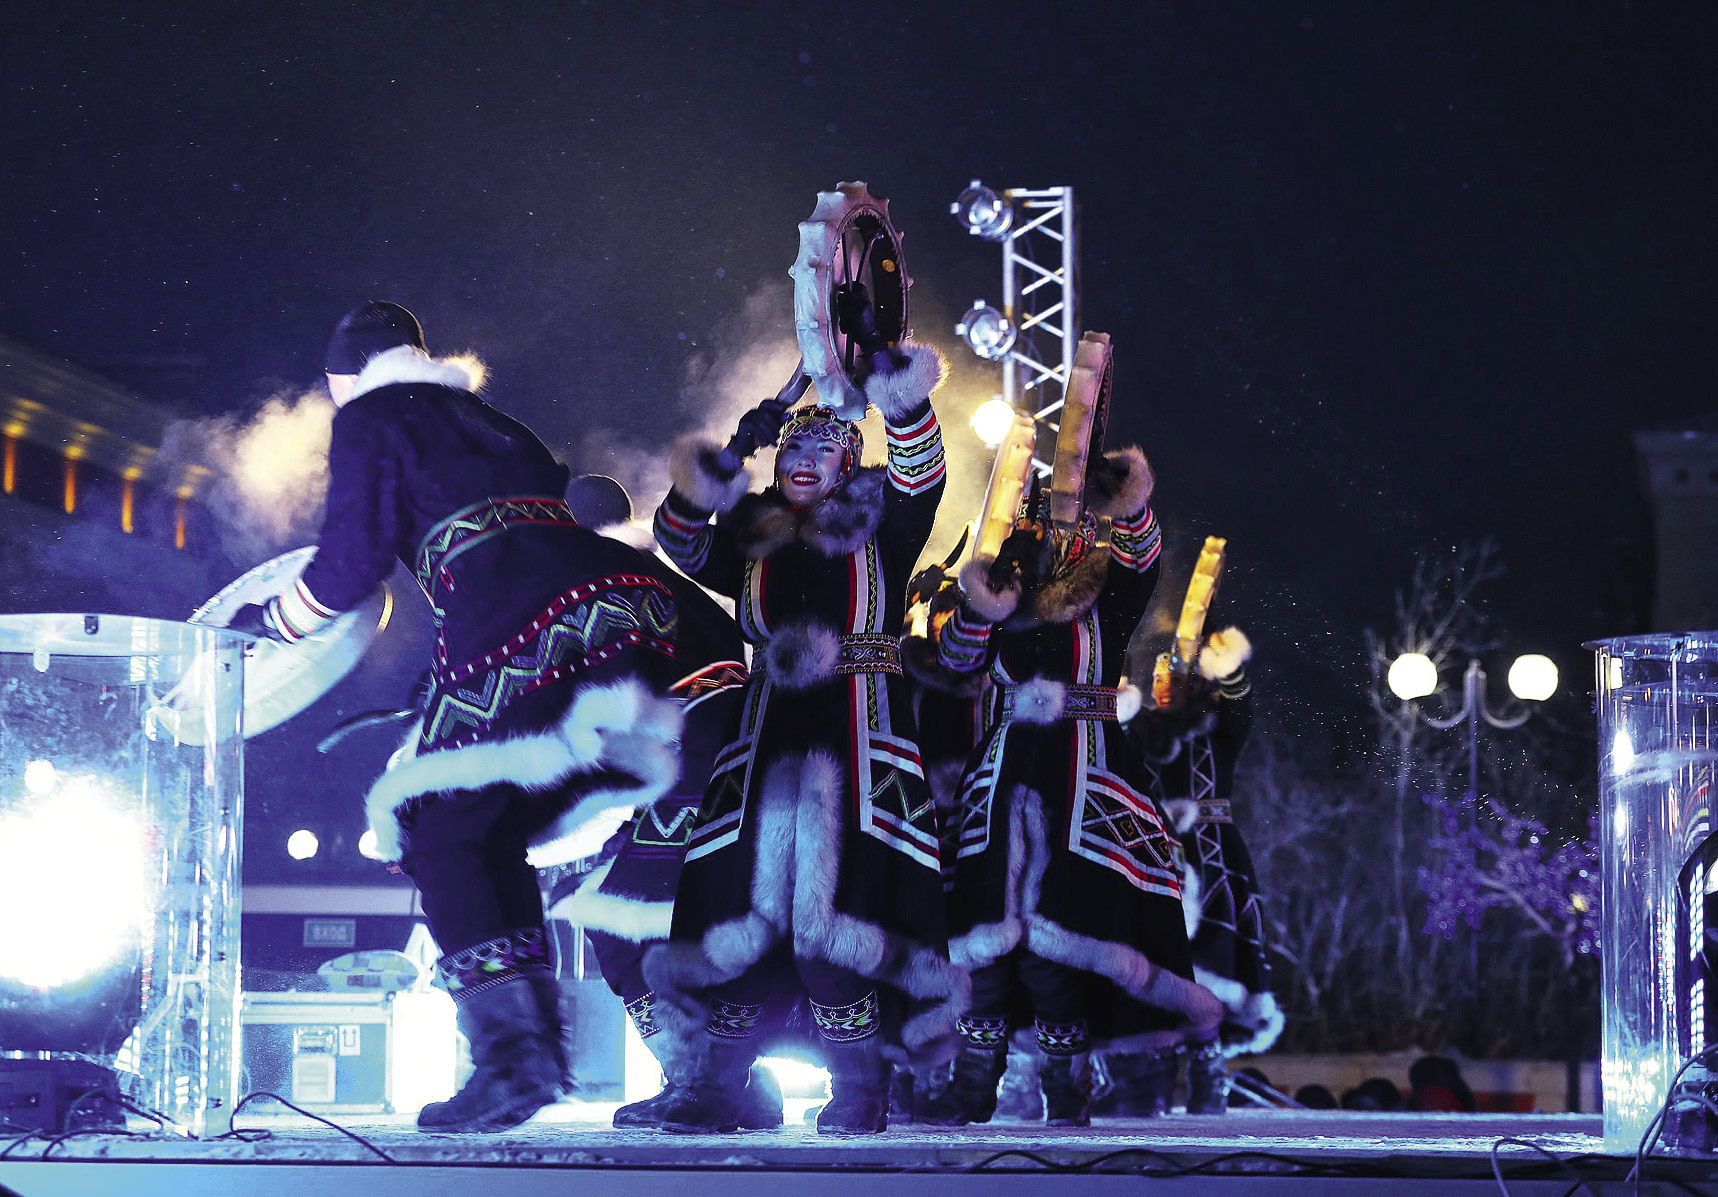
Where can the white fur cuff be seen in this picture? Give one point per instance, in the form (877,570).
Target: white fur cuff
(1224,653)
(983,601)
(692,470)
(911,383)
(1122,483)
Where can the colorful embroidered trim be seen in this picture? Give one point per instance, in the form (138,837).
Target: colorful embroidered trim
(983,1032)
(846,1024)
(1061,1038)
(1078,702)
(642,1011)
(916,458)
(1135,542)
(734,1020)
(471,525)
(494,962)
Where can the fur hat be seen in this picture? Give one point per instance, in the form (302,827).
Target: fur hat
(368,330)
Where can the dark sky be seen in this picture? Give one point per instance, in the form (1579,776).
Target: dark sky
(1381,276)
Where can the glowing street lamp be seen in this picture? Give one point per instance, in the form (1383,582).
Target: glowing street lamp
(302,844)
(1532,678)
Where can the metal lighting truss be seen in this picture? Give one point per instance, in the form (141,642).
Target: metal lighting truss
(1039,257)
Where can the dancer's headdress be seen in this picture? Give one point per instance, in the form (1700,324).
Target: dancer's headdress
(815,420)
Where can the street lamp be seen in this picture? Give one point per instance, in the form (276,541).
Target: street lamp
(1532,678)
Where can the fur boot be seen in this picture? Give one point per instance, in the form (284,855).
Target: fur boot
(517,1055)
(971,1095)
(1142,1084)
(713,1099)
(1207,1078)
(1067,1082)
(858,1088)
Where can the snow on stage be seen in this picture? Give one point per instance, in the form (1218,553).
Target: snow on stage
(572,1145)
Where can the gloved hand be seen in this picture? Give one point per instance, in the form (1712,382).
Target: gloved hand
(856,317)
(756,429)
(253,620)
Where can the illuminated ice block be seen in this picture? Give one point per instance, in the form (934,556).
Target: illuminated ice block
(119,855)
(1658,750)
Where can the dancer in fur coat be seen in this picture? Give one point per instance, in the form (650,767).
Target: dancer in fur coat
(1066,896)
(816,846)
(1191,738)
(553,648)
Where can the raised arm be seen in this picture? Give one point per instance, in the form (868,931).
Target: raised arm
(1119,486)
(703,486)
(900,389)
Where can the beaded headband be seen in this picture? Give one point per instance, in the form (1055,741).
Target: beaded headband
(823,424)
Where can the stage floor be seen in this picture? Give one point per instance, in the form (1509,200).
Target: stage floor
(571,1146)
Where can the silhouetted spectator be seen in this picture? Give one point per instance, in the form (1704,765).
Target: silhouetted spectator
(1315,1097)
(1438,1085)
(1374,1093)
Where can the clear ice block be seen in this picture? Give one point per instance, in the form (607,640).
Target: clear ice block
(121,796)
(1658,751)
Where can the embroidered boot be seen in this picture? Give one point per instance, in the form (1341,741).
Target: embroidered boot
(761,1109)
(1142,1084)
(858,1088)
(971,1094)
(515,1052)
(1067,1083)
(1207,1078)
(673,1053)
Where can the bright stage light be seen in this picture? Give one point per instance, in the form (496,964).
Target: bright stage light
(40,776)
(1412,675)
(367,845)
(992,420)
(982,212)
(989,333)
(60,926)
(1533,677)
(302,844)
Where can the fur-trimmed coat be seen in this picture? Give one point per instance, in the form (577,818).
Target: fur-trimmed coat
(553,644)
(1189,760)
(1061,851)
(817,828)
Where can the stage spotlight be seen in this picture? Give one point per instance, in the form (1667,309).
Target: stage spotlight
(983,212)
(302,844)
(367,845)
(987,331)
(61,929)
(992,421)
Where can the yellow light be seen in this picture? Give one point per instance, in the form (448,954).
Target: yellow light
(1412,675)
(9,469)
(1533,677)
(71,497)
(179,520)
(127,496)
(992,421)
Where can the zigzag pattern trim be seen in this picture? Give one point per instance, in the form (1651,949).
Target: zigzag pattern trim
(917,461)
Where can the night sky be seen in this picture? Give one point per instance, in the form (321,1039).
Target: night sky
(1380,277)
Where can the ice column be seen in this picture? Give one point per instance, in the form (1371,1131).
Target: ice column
(121,793)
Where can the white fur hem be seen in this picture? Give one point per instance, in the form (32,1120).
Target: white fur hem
(617,726)
(614,914)
(408,363)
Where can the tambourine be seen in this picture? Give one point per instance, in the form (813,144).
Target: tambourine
(280,679)
(847,240)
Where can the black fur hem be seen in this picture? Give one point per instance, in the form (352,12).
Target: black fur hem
(839,525)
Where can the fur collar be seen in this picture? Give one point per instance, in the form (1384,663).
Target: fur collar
(407,363)
(1064,599)
(839,525)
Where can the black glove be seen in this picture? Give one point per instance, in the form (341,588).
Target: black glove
(757,428)
(252,619)
(856,317)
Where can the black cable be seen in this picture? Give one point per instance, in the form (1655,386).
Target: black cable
(1562,1165)
(19,1140)
(356,1138)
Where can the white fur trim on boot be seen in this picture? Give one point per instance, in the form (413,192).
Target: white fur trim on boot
(902,389)
(692,471)
(1224,653)
(981,599)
